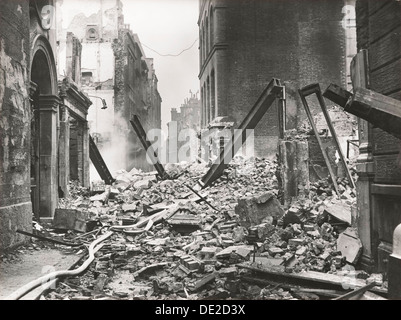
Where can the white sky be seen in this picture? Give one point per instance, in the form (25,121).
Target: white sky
(168,27)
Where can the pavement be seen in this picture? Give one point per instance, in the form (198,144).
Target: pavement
(26,265)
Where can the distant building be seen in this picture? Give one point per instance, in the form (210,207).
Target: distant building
(189,117)
(244,44)
(115,68)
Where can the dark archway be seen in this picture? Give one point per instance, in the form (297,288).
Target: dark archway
(43,128)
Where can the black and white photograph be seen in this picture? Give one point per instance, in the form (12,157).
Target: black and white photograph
(199,156)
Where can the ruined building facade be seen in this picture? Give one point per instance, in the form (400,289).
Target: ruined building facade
(115,68)
(378,165)
(243,45)
(44,127)
(183,123)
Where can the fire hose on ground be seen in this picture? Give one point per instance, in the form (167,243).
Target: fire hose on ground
(42,280)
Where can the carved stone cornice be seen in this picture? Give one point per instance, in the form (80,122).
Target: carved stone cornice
(68,90)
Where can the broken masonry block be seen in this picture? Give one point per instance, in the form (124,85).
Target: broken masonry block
(70,219)
(128,221)
(190,262)
(301,251)
(129,207)
(274,250)
(102,265)
(309,227)
(229,272)
(239,234)
(286,234)
(265,262)
(204,281)
(254,210)
(233,286)
(350,245)
(100,283)
(325,256)
(281,244)
(326,230)
(242,251)
(314,234)
(98,186)
(340,211)
(338,261)
(208,252)
(295,242)
(260,232)
(184,222)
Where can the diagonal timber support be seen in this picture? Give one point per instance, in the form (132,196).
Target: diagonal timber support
(136,124)
(382,111)
(315,89)
(273,91)
(99,163)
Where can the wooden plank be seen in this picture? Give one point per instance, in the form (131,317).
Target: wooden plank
(387,169)
(334,135)
(371,296)
(337,94)
(140,131)
(385,50)
(355,293)
(382,111)
(313,276)
(303,93)
(384,20)
(198,285)
(387,79)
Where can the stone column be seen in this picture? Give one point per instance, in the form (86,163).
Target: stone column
(294,171)
(364,166)
(64,151)
(85,140)
(48,106)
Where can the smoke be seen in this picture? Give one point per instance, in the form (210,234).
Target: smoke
(113,146)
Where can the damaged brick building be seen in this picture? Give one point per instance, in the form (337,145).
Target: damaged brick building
(115,69)
(44,127)
(243,45)
(378,69)
(189,117)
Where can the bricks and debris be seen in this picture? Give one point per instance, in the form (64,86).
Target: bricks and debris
(168,243)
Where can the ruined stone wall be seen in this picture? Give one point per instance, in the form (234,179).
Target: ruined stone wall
(299,42)
(15,113)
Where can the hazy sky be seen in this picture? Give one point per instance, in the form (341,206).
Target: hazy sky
(168,27)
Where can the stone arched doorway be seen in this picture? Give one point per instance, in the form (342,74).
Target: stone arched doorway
(45,104)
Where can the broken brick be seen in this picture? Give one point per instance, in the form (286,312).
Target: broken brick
(228,272)
(295,242)
(253,210)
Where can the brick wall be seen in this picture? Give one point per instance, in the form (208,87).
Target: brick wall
(299,42)
(15,202)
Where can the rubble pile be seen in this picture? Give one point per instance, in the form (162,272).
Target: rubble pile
(190,250)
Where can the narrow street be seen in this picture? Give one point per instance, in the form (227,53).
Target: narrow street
(192,251)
